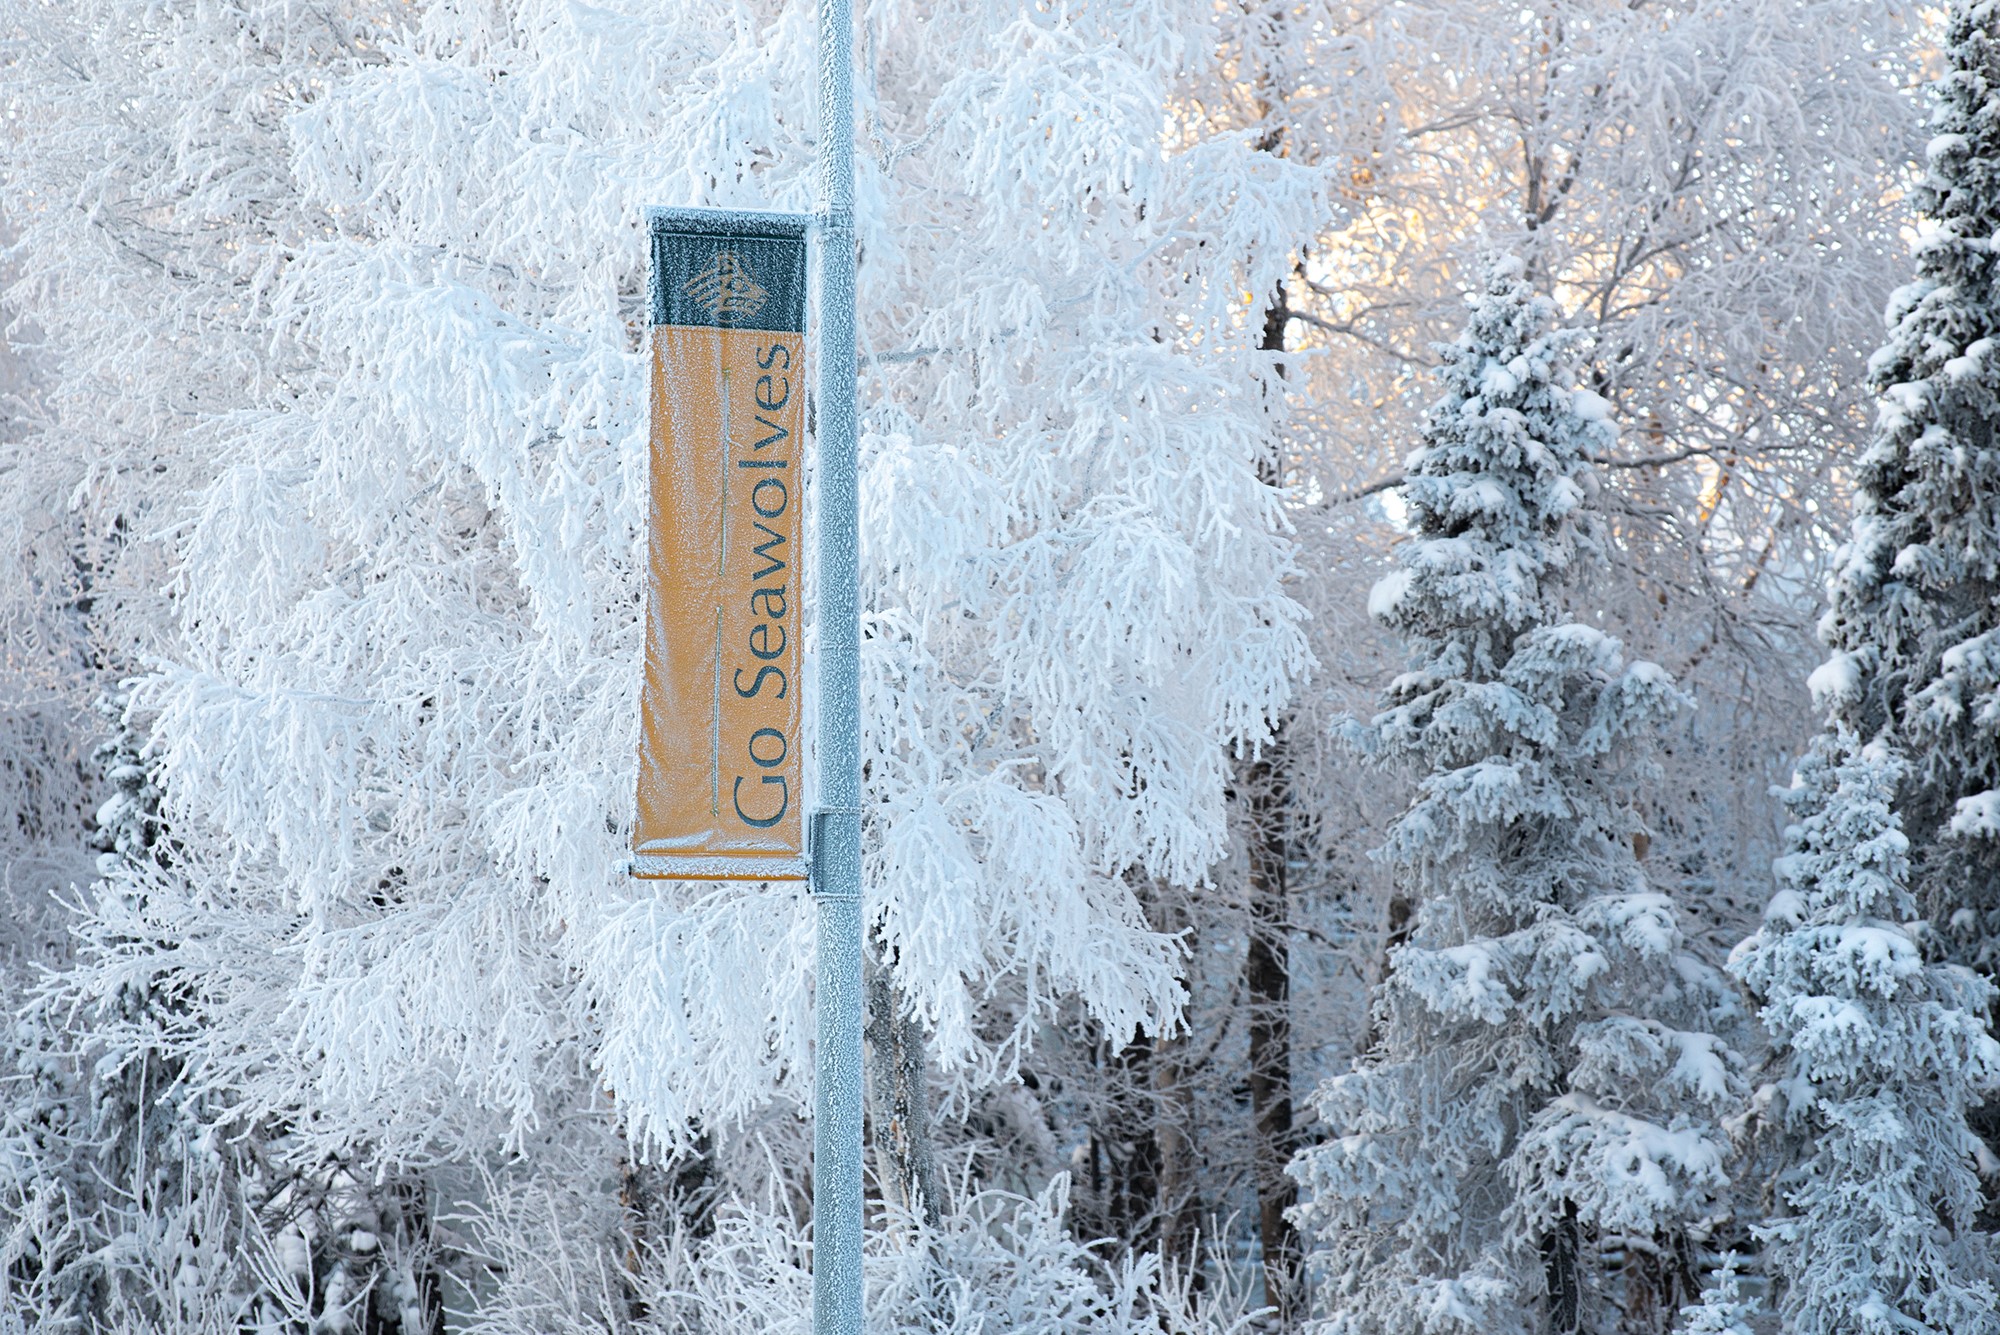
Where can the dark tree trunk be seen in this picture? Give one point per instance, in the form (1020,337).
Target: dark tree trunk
(1398,933)
(1562,1271)
(1173,1141)
(1984,1122)
(1124,1148)
(1179,1202)
(899,1104)
(659,1199)
(1143,1168)
(382,1313)
(1659,1281)
(1267,968)
(1267,978)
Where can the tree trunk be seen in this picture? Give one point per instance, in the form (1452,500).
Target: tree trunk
(1399,925)
(1661,1277)
(388,1309)
(1142,1171)
(1267,978)
(899,1099)
(1267,968)
(1124,1149)
(1562,1272)
(1179,1202)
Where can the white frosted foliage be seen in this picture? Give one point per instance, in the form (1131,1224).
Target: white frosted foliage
(394,700)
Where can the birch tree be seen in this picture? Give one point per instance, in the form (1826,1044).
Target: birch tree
(394,720)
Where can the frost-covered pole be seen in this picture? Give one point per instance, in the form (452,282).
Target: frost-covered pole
(836,850)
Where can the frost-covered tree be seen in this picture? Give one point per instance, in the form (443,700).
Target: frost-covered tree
(124,1207)
(142,211)
(1724,1309)
(1047,470)
(1545,1074)
(1914,625)
(394,707)
(1078,428)
(1879,1055)
(1700,184)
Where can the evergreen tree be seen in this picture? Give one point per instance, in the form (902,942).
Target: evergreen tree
(1543,1074)
(1914,624)
(1723,1309)
(1879,1055)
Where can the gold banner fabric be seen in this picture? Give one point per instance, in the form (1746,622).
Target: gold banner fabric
(721,758)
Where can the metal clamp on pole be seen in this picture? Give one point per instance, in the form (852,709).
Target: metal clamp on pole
(817,821)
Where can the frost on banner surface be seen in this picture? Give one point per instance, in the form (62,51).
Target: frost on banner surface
(719,747)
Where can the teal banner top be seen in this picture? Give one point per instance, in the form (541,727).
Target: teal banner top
(721,269)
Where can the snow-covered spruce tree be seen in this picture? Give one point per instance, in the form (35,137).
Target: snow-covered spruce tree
(1724,1309)
(1700,184)
(1879,1055)
(1914,624)
(1545,1076)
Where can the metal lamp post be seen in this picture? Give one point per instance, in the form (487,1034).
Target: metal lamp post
(729,317)
(836,836)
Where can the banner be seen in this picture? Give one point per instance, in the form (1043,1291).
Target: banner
(720,756)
